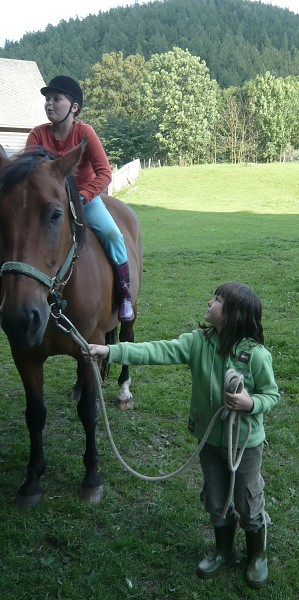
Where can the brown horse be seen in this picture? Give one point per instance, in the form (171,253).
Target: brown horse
(52,264)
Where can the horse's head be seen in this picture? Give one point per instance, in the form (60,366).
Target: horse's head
(37,231)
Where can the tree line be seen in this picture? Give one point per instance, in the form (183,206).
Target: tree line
(169,108)
(182,82)
(237,39)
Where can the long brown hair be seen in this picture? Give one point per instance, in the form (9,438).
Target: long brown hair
(242,312)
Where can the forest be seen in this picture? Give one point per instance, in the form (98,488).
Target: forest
(237,39)
(197,81)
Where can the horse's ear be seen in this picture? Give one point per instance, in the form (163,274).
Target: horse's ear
(4,160)
(66,164)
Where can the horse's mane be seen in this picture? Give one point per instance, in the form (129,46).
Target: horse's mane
(23,164)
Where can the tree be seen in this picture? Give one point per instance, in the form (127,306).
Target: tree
(291,86)
(113,85)
(113,107)
(235,135)
(126,138)
(181,99)
(267,104)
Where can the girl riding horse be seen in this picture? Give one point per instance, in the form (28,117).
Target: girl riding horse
(64,101)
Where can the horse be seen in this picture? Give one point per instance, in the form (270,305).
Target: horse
(52,266)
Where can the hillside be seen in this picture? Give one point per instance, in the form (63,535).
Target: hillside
(238,39)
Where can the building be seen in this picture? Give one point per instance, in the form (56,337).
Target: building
(21,104)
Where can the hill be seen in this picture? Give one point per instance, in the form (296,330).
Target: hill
(238,39)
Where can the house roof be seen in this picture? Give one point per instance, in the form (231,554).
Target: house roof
(21,104)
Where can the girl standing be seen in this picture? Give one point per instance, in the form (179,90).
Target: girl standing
(233,339)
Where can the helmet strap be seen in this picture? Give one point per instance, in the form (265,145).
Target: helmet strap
(66,116)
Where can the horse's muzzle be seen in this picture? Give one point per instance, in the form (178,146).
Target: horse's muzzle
(24,327)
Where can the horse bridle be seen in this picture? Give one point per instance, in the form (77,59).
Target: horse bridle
(52,283)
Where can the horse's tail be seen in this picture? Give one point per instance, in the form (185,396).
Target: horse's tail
(110,338)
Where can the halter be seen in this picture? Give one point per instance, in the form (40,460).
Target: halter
(52,283)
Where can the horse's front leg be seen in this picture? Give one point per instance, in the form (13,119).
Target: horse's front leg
(32,376)
(92,485)
(77,388)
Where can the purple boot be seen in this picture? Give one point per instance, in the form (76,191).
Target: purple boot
(125,309)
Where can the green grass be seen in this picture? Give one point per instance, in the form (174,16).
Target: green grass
(201,226)
(246,188)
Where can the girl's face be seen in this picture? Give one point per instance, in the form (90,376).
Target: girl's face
(57,106)
(214,314)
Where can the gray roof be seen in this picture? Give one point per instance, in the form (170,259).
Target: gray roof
(21,104)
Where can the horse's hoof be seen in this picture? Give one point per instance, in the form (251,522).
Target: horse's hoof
(124,392)
(28,502)
(92,495)
(123,405)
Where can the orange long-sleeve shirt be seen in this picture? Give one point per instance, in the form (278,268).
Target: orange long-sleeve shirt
(93,172)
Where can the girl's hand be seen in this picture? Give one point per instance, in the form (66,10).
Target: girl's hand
(240,401)
(95,350)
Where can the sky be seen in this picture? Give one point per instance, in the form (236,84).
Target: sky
(19,18)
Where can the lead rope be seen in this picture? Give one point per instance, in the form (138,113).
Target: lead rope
(233,380)
(234,383)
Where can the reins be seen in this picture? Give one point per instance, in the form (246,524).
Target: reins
(233,381)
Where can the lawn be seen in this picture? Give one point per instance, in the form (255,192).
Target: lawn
(201,226)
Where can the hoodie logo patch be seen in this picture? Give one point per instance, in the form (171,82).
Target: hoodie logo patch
(244,358)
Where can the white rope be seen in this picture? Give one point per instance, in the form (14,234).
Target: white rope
(233,383)
(222,412)
(76,336)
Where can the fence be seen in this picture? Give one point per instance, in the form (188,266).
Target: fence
(124,176)
(150,163)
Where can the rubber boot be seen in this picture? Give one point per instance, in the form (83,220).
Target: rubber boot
(210,566)
(125,309)
(257,571)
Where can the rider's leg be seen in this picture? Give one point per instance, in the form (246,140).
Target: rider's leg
(104,226)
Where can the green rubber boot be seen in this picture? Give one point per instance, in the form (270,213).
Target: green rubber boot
(211,565)
(257,571)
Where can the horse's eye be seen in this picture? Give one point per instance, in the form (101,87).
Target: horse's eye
(56,216)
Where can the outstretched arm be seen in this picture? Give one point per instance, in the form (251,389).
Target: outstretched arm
(96,350)
(162,352)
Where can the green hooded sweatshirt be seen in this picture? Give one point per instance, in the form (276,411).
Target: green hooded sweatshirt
(208,367)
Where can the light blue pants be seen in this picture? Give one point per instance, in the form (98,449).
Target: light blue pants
(105,228)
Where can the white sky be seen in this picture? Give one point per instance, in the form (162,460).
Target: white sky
(19,18)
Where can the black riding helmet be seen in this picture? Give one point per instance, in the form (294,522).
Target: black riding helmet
(65,85)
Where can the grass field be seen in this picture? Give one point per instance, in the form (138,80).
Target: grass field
(201,226)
